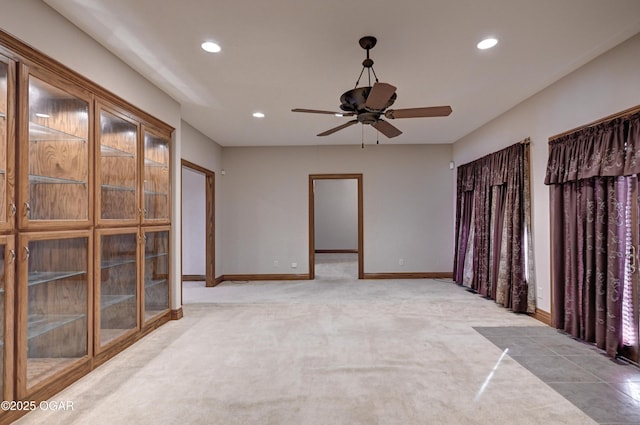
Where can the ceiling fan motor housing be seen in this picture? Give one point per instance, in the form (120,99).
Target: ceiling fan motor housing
(354,100)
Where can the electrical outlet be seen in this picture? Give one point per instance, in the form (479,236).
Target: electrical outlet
(294,265)
(401,261)
(275,263)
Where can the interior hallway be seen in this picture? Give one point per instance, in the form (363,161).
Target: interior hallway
(341,351)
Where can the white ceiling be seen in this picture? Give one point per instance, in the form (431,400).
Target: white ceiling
(284,54)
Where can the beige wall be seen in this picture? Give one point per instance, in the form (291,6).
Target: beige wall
(608,84)
(407,212)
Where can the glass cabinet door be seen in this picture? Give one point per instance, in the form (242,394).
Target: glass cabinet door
(55,182)
(117,169)
(7,140)
(156,273)
(53,304)
(117,285)
(156,178)
(7,264)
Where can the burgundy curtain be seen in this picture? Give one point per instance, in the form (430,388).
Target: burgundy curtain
(589,197)
(491,190)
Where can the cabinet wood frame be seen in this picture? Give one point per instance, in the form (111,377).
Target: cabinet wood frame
(163,135)
(97,313)
(10,202)
(167,311)
(124,115)
(9,326)
(22,296)
(24,223)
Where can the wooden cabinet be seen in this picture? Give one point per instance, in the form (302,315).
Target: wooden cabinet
(53,305)
(55,172)
(117,193)
(7,143)
(156,178)
(7,223)
(156,273)
(116,282)
(84,224)
(7,267)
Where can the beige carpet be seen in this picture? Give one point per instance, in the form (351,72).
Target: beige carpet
(323,352)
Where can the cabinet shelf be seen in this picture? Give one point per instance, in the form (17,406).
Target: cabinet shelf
(151,163)
(152,193)
(115,263)
(41,133)
(106,150)
(109,300)
(154,282)
(37,278)
(117,188)
(40,324)
(36,179)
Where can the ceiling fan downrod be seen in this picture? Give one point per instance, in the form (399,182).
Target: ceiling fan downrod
(367,43)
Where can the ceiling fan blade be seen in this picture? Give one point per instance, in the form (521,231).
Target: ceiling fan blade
(431,111)
(316,111)
(338,128)
(379,95)
(387,129)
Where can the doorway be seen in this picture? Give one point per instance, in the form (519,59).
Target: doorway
(313,179)
(198,224)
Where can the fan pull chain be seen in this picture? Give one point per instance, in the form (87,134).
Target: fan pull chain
(362,127)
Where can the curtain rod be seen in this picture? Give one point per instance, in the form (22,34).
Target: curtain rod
(623,114)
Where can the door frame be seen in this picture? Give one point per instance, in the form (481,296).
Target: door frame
(312,236)
(210,224)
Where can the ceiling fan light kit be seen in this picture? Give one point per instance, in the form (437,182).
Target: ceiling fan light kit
(369,103)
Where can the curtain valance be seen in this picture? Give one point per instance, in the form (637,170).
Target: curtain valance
(601,150)
(493,169)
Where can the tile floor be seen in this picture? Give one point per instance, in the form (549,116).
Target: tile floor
(607,390)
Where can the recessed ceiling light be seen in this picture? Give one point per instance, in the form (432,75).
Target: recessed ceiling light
(258,115)
(210,47)
(487,43)
(38,114)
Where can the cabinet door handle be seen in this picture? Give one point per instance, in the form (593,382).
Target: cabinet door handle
(13,209)
(27,252)
(145,213)
(27,209)
(12,256)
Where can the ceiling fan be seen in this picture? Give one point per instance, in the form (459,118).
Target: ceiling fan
(369,103)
